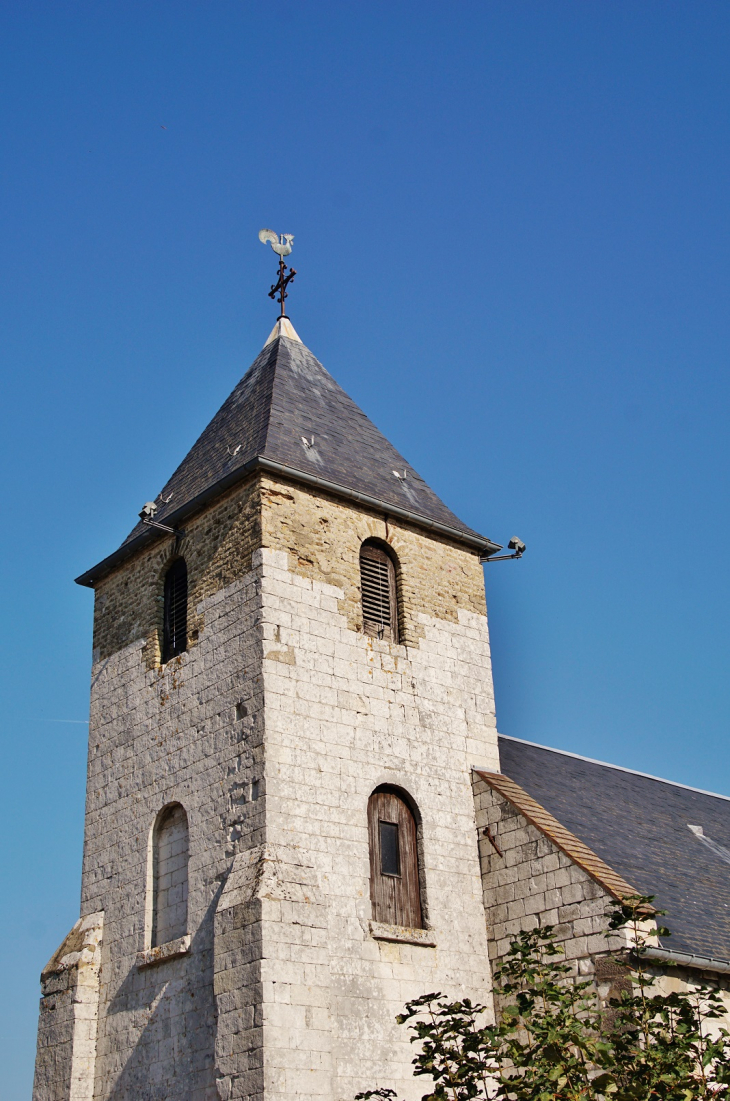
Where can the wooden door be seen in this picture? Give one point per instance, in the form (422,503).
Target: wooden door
(394,883)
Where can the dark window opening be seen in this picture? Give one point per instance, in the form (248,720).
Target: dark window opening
(395,888)
(379,594)
(175,627)
(389,849)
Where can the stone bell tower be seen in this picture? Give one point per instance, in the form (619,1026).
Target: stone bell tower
(291,686)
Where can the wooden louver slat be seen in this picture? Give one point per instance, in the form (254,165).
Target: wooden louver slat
(175,634)
(377,581)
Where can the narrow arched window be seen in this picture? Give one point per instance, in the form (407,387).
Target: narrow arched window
(395,888)
(170,876)
(175,627)
(379,594)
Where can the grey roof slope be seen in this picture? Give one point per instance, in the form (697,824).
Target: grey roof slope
(287,394)
(639,826)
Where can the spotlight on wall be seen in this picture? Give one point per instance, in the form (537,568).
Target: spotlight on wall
(514,544)
(147,516)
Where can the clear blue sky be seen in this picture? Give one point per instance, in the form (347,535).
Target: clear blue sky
(511,226)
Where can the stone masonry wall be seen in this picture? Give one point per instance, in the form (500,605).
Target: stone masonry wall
(322,536)
(271,732)
(269,888)
(190,733)
(345,713)
(217,549)
(532,884)
(69,1011)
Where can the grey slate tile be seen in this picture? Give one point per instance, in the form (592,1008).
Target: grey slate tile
(639,826)
(287,394)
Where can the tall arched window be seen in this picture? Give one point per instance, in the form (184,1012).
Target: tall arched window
(379,593)
(170,876)
(395,888)
(175,625)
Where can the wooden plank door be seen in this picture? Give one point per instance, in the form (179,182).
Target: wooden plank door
(394,883)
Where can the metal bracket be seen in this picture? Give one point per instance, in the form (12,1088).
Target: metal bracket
(487,829)
(163,527)
(514,544)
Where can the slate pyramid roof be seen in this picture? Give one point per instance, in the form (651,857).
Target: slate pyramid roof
(287,415)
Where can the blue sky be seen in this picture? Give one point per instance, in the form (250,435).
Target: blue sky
(511,224)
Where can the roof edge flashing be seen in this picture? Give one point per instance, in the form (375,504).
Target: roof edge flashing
(617,768)
(611,881)
(687,959)
(478,543)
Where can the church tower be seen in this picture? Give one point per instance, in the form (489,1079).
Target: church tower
(291,687)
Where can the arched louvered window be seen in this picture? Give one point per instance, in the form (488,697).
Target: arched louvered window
(170,876)
(379,594)
(175,632)
(395,888)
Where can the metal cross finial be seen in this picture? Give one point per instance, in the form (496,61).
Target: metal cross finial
(282,247)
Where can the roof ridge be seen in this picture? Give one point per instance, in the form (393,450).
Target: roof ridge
(575,849)
(274,345)
(618,768)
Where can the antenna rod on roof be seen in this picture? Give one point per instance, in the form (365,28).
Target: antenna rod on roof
(282,246)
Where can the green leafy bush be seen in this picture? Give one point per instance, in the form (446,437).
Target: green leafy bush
(554,1041)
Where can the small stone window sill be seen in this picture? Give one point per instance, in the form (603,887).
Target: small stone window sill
(401,933)
(162,952)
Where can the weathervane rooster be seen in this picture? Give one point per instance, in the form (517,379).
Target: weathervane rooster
(281,244)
